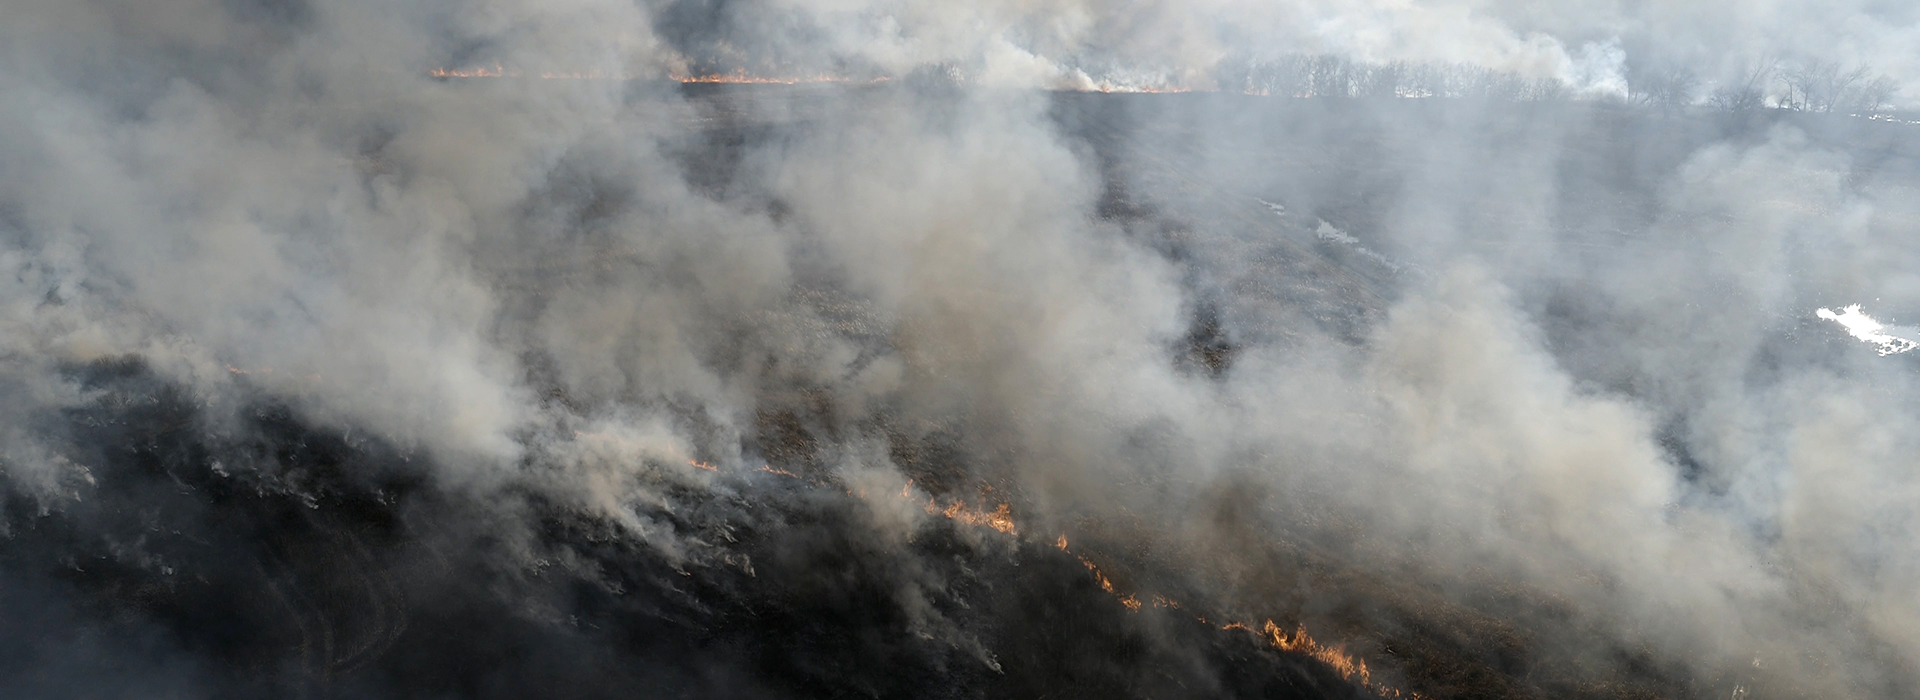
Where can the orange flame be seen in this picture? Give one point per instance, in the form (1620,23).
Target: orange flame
(1350,668)
(1000,519)
(1300,642)
(1105,583)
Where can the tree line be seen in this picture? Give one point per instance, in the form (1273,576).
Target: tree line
(1768,83)
(1337,76)
(1772,82)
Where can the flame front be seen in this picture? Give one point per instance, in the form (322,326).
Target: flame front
(1000,519)
(1350,668)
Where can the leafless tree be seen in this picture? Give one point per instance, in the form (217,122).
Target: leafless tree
(1837,92)
(1547,90)
(1869,96)
(1668,87)
(1508,87)
(1330,76)
(1281,77)
(1748,91)
(1820,86)
(1336,76)
(1426,80)
(1676,88)
(1385,80)
(1464,80)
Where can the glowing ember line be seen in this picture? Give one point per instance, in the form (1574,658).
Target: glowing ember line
(1000,519)
(1890,340)
(1300,642)
(1105,584)
(1351,668)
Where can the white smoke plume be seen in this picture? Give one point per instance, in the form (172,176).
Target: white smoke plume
(1547,366)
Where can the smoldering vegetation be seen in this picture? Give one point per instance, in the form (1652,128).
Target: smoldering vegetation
(329,374)
(276,559)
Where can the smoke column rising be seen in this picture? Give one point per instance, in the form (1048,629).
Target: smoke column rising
(325,376)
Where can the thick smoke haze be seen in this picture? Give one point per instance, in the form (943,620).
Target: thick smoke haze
(510,349)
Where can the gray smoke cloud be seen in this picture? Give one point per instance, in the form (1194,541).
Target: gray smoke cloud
(1562,371)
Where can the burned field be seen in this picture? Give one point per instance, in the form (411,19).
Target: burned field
(271,558)
(239,543)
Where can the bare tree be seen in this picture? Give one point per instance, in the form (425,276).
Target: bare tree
(1427,80)
(1804,81)
(1336,76)
(1330,76)
(1643,80)
(1748,91)
(1282,77)
(1840,90)
(1869,96)
(1507,87)
(1547,90)
(1466,80)
(1676,88)
(1668,87)
(1820,86)
(1385,80)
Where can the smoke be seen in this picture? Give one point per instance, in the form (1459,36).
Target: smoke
(323,375)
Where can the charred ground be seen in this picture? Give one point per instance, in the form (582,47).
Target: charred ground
(273,558)
(257,553)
